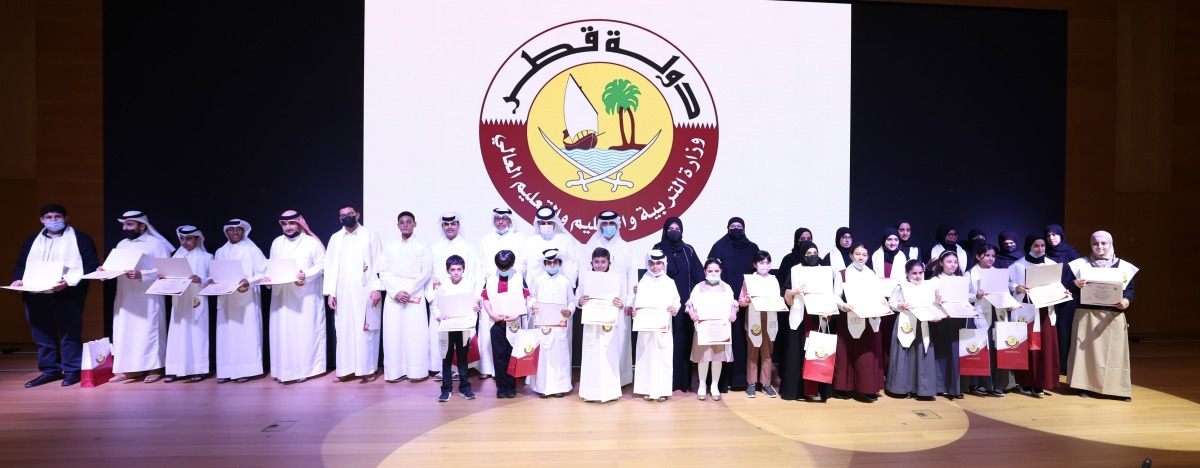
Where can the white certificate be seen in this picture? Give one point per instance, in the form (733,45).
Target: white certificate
(960,309)
(549,314)
(508,304)
(1041,275)
(1102,275)
(458,312)
(651,319)
(653,298)
(1048,295)
(888,285)
(599,311)
(227,275)
(712,305)
(993,280)
(713,332)
(819,304)
(601,284)
(169,286)
(39,276)
(816,280)
(1101,294)
(118,262)
(764,293)
(866,299)
(1002,300)
(920,299)
(955,289)
(282,271)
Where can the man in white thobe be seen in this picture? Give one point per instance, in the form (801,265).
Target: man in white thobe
(239,315)
(608,236)
(139,318)
(353,291)
(451,243)
(297,328)
(187,332)
(404,272)
(504,237)
(551,235)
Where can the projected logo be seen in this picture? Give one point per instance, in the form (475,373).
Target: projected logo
(599,115)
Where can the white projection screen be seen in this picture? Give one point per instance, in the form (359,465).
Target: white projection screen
(698,109)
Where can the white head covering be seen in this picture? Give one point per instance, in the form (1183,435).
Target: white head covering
(507,213)
(448,217)
(188,230)
(235,222)
(142,218)
(607,215)
(546,213)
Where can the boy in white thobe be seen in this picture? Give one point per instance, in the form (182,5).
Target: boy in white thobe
(404,272)
(239,315)
(553,376)
(352,286)
(620,262)
(187,334)
(652,371)
(600,377)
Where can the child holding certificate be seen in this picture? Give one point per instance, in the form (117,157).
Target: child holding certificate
(655,294)
(553,376)
(505,279)
(944,332)
(456,342)
(600,368)
(757,326)
(859,366)
(1001,380)
(1043,363)
(702,355)
(792,384)
(912,371)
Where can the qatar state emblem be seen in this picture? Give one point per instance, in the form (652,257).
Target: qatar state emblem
(598,115)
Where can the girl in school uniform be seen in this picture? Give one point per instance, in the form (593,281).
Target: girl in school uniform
(792,385)
(1044,363)
(887,262)
(1001,380)
(944,332)
(758,358)
(714,355)
(912,370)
(859,367)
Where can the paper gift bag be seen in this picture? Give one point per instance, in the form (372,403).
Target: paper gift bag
(1012,346)
(1028,315)
(819,356)
(97,363)
(973,358)
(526,348)
(472,351)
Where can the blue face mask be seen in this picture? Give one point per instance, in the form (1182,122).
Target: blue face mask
(1031,254)
(502,232)
(713,279)
(55,226)
(553,270)
(503,274)
(608,231)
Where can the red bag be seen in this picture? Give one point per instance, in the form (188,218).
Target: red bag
(820,354)
(526,349)
(472,351)
(973,358)
(1012,346)
(97,366)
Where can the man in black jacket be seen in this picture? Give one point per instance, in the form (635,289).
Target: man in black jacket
(56,316)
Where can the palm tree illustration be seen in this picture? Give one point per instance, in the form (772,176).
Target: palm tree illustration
(621,96)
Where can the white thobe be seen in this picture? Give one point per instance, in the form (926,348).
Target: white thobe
(405,266)
(297,328)
(239,315)
(352,276)
(441,250)
(488,247)
(568,252)
(652,371)
(187,333)
(138,318)
(621,263)
(602,371)
(554,361)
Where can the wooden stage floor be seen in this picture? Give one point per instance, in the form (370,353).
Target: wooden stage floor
(320,423)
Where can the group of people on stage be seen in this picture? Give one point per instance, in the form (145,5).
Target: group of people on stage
(391,296)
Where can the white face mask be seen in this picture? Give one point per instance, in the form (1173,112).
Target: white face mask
(546,230)
(713,279)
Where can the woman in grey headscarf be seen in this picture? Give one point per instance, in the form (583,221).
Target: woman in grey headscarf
(1099,356)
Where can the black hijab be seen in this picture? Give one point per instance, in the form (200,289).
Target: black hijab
(1029,240)
(906,245)
(796,241)
(1005,259)
(804,246)
(739,239)
(793,258)
(940,237)
(674,246)
(737,257)
(889,256)
(1063,252)
(837,244)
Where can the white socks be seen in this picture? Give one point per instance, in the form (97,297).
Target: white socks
(716,373)
(716,369)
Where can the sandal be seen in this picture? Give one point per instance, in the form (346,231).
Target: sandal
(196,378)
(226,380)
(120,378)
(662,399)
(647,397)
(170,379)
(151,378)
(243,379)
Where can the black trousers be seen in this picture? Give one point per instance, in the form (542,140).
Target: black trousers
(501,352)
(455,347)
(56,325)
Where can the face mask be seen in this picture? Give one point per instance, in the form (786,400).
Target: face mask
(737,234)
(674,236)
(131,235)
(546,230)
(1009,249)
(293,235)
(857,266)
(349,221)
(713,279)
(502,231)
(608,231)
(811,260)
(1031,254)
(503,274)
(553,270)
(55,226)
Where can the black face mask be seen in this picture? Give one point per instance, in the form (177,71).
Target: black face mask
(131,235)
(737,234)
(349,221)
(294,234)
(811,260)
(1009,248)
(674,236)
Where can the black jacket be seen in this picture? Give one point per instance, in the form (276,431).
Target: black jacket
(87,252)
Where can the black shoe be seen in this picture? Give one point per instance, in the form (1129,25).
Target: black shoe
(512,392)
(71,378)
(501,394)
(841,395)
(43,380)
(444,397)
